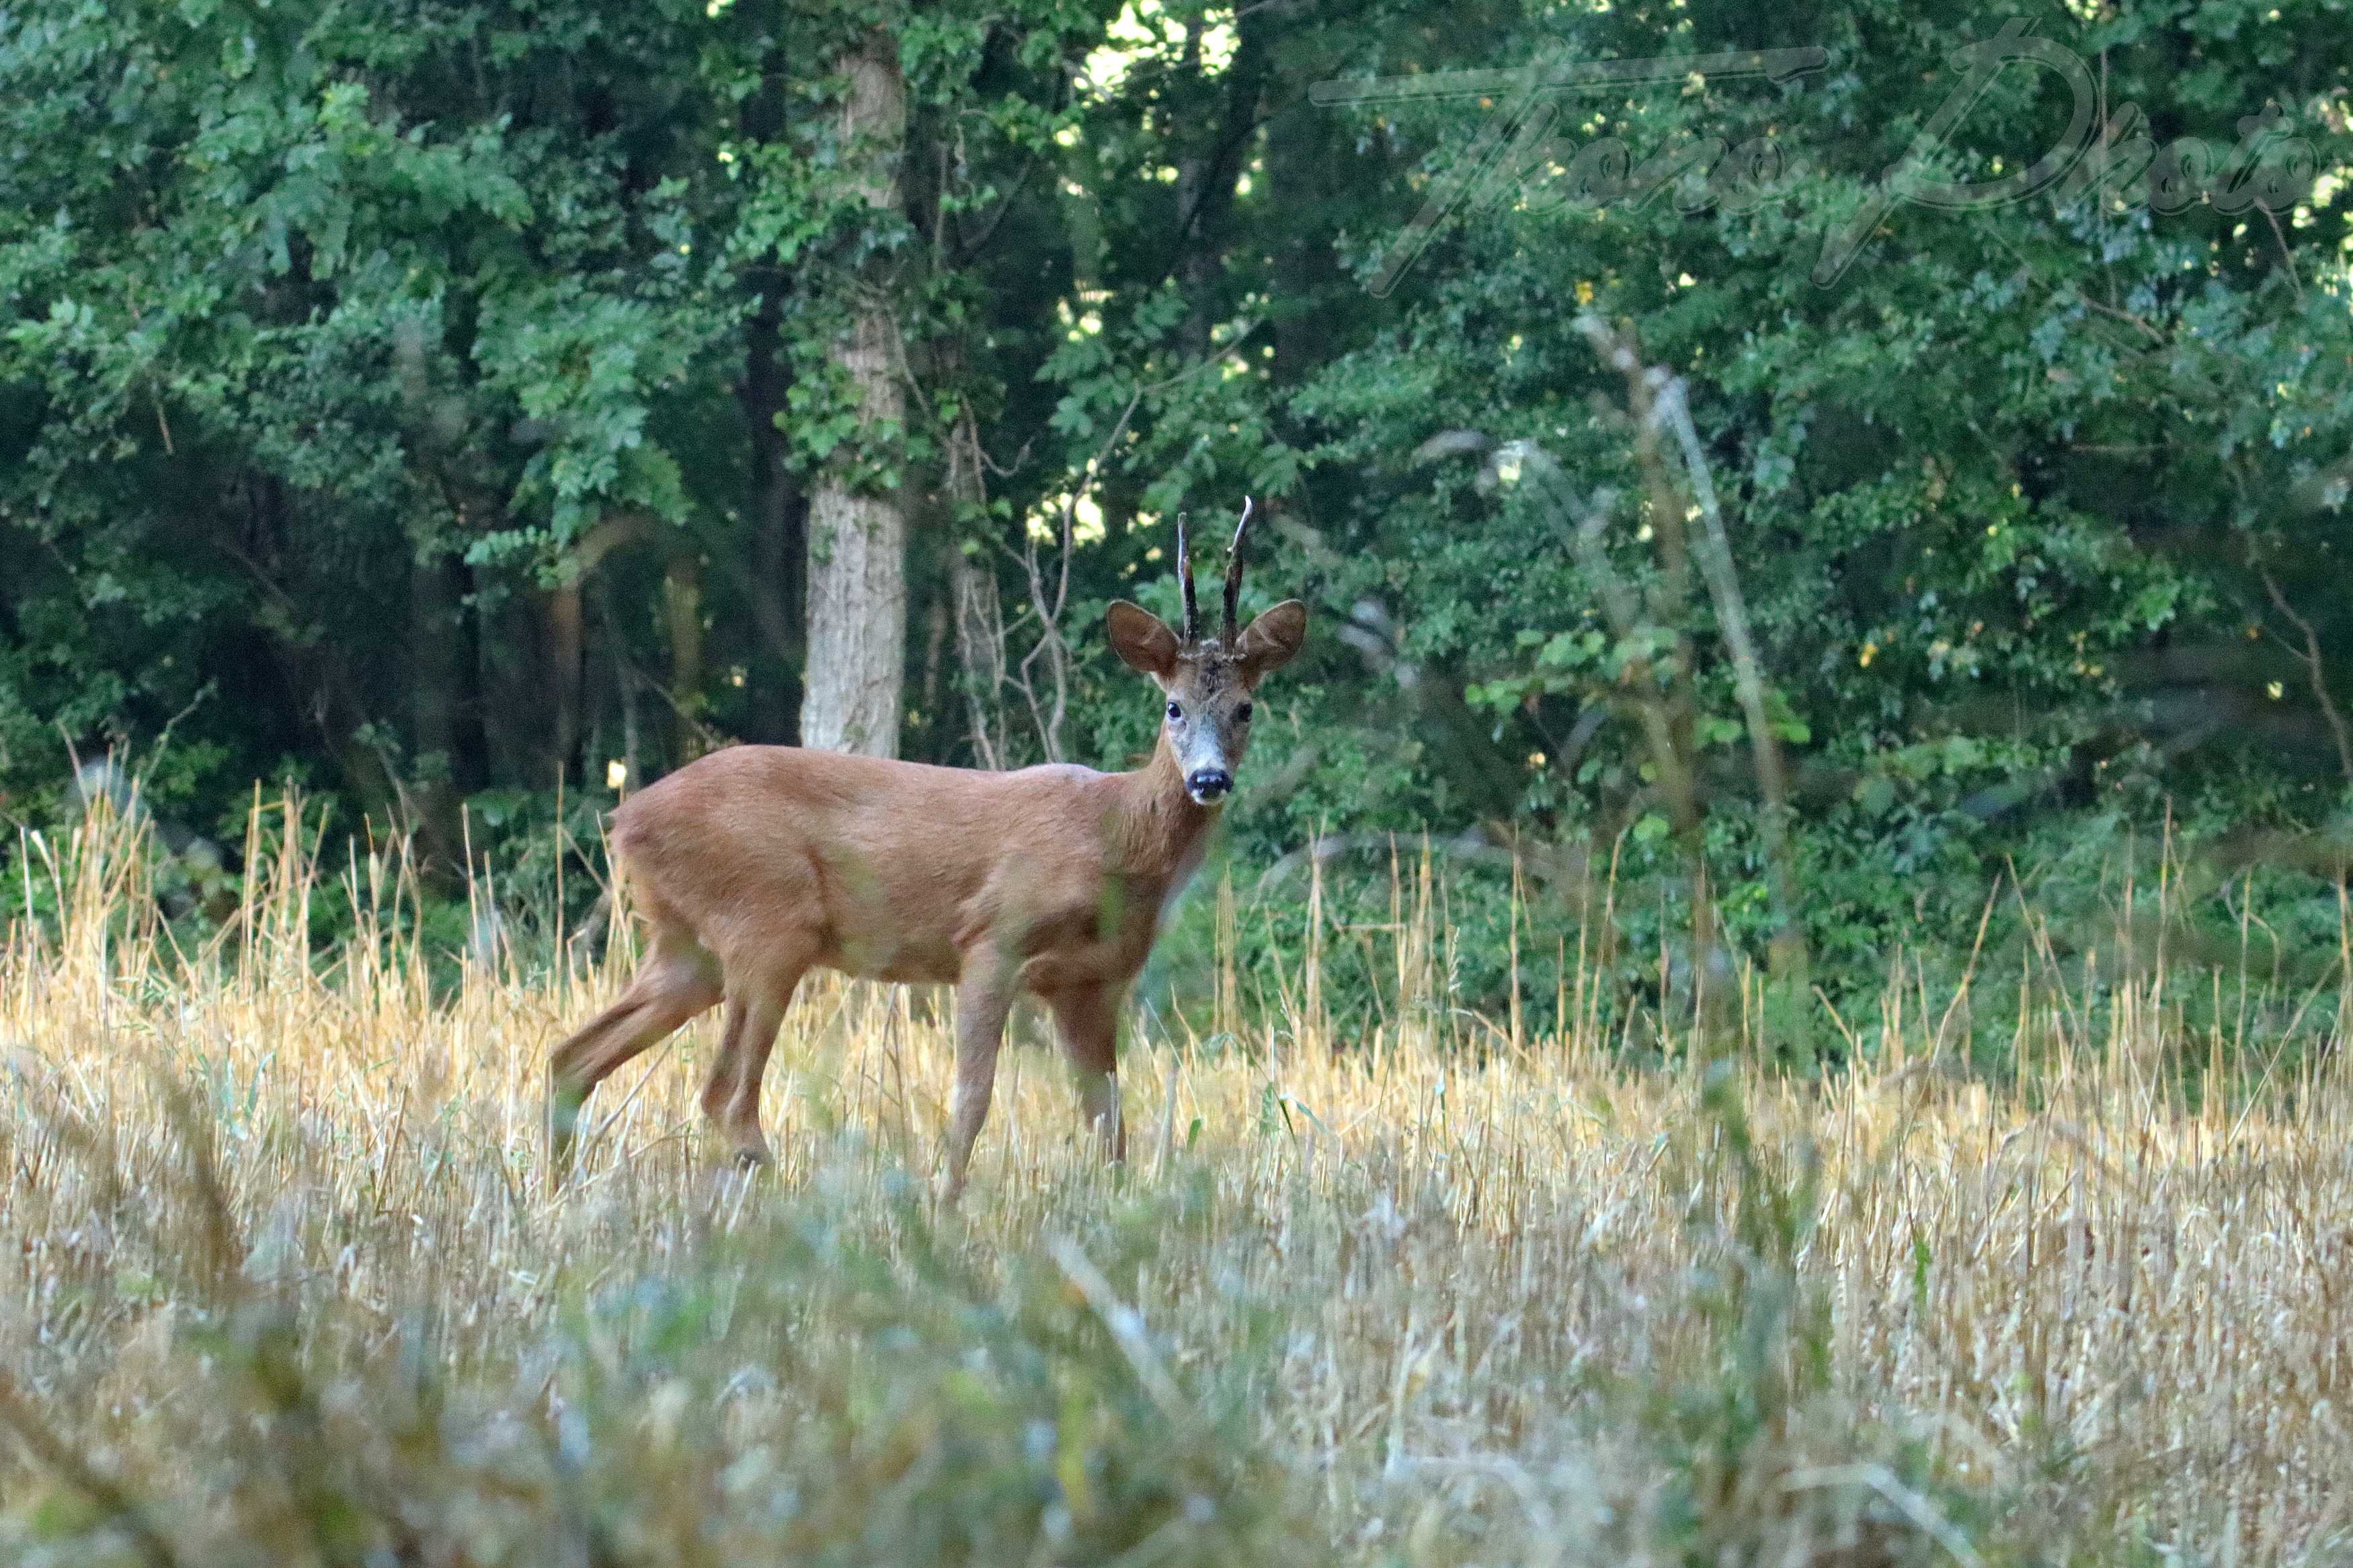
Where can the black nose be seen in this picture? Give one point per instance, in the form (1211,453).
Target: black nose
(1209,783)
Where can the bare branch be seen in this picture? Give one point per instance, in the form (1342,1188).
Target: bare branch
(2310,658)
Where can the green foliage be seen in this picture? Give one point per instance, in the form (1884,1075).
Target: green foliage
(417,405)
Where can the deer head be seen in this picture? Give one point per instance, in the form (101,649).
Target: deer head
(1207,682)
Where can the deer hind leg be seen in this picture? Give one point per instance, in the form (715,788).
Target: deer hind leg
(983,997)
(1087,1019)
(731,1096)
(673,984)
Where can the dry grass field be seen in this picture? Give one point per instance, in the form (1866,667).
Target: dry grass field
(284,1283)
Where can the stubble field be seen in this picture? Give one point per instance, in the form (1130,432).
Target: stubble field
(283,1282)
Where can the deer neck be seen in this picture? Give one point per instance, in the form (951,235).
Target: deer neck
(1158,831)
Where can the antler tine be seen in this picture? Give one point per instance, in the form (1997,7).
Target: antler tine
(1184,575)
(1234,573)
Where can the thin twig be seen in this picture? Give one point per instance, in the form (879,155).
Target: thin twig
(2310,659)
(2125,316)
(2273,218)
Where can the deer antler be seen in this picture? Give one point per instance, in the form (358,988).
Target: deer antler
(1234,573)
(1184,575)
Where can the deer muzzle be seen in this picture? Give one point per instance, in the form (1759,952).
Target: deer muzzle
(1208,785)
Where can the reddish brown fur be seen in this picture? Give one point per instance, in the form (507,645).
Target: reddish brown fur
(755,864)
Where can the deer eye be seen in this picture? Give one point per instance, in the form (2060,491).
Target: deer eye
(1242,713)
(1175,711)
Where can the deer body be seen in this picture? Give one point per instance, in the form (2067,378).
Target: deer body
(756,864)
(892,870)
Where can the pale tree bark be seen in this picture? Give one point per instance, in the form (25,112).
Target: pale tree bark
(857,541)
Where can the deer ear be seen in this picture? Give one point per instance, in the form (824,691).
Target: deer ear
(1267,642)
(1142,639)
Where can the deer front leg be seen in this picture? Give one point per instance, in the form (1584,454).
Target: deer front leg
(983,997)
(731,1097)
(1087,1018)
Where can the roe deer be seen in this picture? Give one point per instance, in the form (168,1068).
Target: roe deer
(755,864)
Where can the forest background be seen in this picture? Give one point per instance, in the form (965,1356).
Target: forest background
(461,413)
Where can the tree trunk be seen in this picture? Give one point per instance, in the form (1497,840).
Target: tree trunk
(565,635)
(774,552)
(625,689)
(857,541)
(980,618)
(682,609)
(1207,173)
(437,647)
(775,549)
(1319,296)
